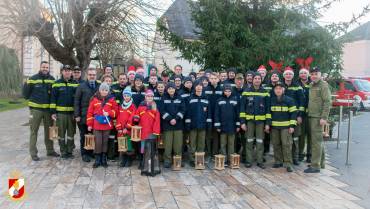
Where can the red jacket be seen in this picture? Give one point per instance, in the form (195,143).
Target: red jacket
(124,118)
(149,121)
(96,108)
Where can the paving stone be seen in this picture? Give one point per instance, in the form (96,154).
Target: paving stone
(56,183)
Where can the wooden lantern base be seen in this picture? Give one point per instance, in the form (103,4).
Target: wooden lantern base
(176,163)
(122,144)
(326,131)
(234,161)
(89,142)
(199,161)
(136,133)
(53,133)
(220,162)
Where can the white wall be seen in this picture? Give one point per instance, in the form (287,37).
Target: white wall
(356,58)
(162,51)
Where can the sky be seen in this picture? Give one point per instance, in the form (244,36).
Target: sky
(344,10)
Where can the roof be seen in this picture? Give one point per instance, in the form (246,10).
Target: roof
(360,33)
(178,19)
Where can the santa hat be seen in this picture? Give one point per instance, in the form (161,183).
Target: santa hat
(288,69)
(131,70)
(261,68)
(304,64)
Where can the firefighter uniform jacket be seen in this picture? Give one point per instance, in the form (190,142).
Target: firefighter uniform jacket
(227,114)
(306,90)
(96,110)
(37,90)
(173,108)
(185,93)
(283,113)
(295,92)
(62,96)
(117,90)
(255,105)
(158,100)
(124,118)
(238,93)
(213,94)
(198,114)
(138,95)
(149,119)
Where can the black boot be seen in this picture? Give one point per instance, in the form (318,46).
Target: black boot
(104,160)
(141,162)
(97,161)
(123,162)
(129,161)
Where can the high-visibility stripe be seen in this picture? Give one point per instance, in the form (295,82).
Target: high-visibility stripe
(260,117)
(44,106)
(251,93)
(279,109)
(292,109)
(280,123)
(142,112)
(255,117)
(40,81)
(242,115)
(64,109)
(301,109)
(295,88)
(268,116)
(56,85)
(53,106)
(217,124)
(165,115)
(293,122)
(90,118)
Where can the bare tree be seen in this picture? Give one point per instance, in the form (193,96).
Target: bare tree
(71,29)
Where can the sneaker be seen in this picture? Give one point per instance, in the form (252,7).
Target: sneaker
(53,154)
(312,170)
(289,169)
(35,158)
(261,165)
(248,165)
(86,158)
(277,165)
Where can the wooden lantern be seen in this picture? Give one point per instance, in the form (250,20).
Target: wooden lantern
(122,144)
(160,142)
(199,161)
(234,161)
(89,142)
(219,162)
(176,163)
(326,131)
(53,132)
(136,133)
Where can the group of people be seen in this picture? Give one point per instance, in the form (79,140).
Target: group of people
(213,112)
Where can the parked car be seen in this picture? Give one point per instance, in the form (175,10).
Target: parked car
(353,92)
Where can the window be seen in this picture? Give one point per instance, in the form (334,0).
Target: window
(348,86)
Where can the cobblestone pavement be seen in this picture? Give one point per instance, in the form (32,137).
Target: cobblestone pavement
(56,183)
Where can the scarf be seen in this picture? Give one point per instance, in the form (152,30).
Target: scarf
(125,105)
